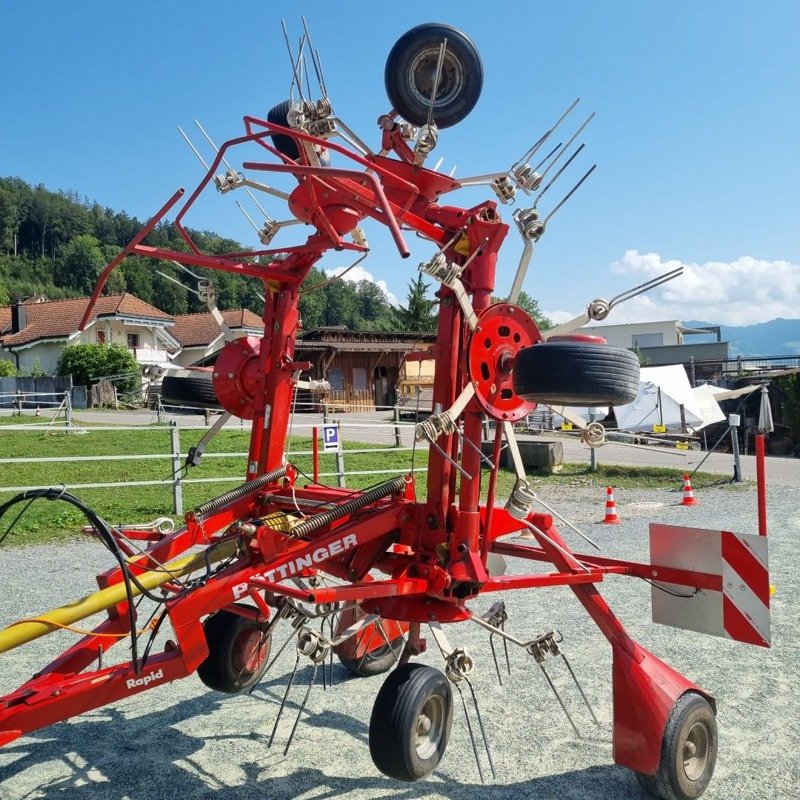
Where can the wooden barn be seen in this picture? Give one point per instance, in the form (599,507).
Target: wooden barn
(366,369)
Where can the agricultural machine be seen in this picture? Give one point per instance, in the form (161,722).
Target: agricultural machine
(374,575)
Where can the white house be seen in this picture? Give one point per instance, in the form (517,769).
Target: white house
(200,336)
(639,334)
(33,333)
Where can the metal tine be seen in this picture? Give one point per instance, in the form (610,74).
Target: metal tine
(304,69)
(302,708)
(494,656)
(580,689)
(436,78)
(569,194)
(558,174)
(193,148)
(505,648)
(471,735)
(283,702)
(646,286)
(532,151)
(385,638)
(274,659)
(475,447)
(294,65)
(322,634)
(176,281)
(560,701)
(225,161)
(480,725)
(447,457)
(315,59)
(563,149)
(585,537)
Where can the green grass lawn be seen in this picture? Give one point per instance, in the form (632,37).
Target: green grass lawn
(50,521)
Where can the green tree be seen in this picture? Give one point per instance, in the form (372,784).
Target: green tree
(418,315)
(90,362)
(531,306)
(7,368)
(81,262)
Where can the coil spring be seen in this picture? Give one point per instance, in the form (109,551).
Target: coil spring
(240,491)
(504,189)
(594,435)
(230,180)
(426,140)
(529,224)
(439,269)
(349,506)
(521,500)
(599,309)
(359,237)
(267,233)
(527,178)
(459,665)
(435,426)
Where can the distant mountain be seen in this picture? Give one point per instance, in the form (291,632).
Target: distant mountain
(778,337)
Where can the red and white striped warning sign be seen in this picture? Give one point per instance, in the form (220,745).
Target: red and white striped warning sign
(745,588)
(739,609)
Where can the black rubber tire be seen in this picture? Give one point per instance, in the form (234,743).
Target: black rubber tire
(222,669)
(692,716)
(279,114)
(192,390)
(576,374)
(377,661)
(410,70)
(396,718)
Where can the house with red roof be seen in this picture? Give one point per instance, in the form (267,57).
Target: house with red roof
(200,336)
(35,331)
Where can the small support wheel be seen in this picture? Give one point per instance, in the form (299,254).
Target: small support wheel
(238,647)
(688,751)
(570,373)
(411,721)
(411,70)
(358,654)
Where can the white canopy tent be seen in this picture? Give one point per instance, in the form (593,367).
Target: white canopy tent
(666,398)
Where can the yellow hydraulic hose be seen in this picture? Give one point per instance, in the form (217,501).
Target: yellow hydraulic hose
(27,630)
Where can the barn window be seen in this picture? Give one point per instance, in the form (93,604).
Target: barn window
(336,379)
(359,379)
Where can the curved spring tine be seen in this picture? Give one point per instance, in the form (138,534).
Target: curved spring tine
(302,708)
(560,701)
(580,689)
(644,287)
(471,735)
(505,648)
(369,644)
(494,656)
(283,702)
(480,725)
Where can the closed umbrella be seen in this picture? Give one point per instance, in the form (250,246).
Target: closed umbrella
(765,424)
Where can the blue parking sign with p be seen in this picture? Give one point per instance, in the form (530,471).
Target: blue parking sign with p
(330,437)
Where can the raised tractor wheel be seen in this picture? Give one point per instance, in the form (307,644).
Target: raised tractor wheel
(411,720)
(411,73)
(279,115)
(238,648)
(194,389)
(573,373)
(688,751)
(370,651)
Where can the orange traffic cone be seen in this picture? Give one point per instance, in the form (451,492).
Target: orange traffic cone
(38,412)
(688,493)
(611,517)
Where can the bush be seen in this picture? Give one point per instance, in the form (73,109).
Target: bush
(90,362)
(7,368)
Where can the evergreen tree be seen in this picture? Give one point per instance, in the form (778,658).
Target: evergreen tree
(418,315)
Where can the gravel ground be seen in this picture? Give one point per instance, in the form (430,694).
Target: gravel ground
(182,741)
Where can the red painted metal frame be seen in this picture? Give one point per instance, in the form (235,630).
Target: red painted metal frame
(433,553)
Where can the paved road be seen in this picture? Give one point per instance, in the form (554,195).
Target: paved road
(781,471)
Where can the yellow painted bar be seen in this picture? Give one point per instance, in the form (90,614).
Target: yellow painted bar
(26,631)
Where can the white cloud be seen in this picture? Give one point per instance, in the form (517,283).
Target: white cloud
(741,292)
(357,274)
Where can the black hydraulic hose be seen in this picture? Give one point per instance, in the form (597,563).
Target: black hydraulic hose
(240,491)
(318,521)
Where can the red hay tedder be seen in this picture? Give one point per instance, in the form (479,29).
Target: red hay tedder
(377,568)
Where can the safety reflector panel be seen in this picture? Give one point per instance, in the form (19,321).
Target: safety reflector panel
(741,610)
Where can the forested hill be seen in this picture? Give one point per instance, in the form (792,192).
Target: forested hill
(55,244)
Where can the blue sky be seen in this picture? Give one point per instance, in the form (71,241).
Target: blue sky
(695,138)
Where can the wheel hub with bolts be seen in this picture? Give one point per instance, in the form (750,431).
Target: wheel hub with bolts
(503,330)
